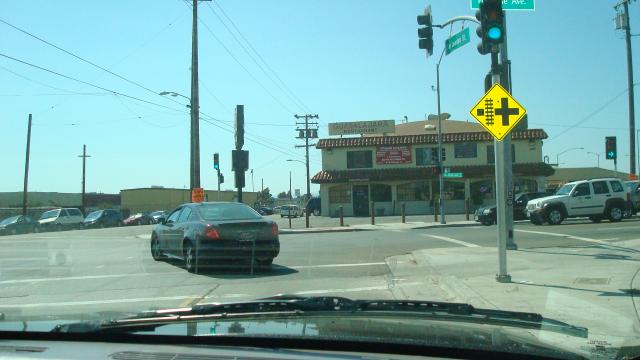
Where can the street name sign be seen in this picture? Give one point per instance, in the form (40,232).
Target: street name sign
(510,4)
(498,112)
(456,175)
(456,41)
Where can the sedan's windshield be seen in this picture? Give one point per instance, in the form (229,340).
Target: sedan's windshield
(9,220)
(94,215)
(220,212)
(565,189)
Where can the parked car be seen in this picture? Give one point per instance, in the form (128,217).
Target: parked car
(488,215)
(633,197)
(595,199)
(138,219)
(290,211)
(313,206)
(265,210)
(208,233)
(102,218)
(158,214)
(276,210)
(19,224)
(61,219)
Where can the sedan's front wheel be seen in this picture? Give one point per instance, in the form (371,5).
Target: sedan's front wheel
(156,252)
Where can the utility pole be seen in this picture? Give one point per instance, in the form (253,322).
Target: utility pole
(623,22)
(195,103)
(26,169)
(306,133)
(253,189)
(84,157)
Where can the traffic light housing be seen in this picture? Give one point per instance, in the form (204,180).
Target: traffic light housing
(221,178)
(491,29)
(216,161)
(611,150)
(425,34)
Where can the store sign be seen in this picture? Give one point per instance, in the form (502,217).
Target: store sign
(362,127)
(399,154)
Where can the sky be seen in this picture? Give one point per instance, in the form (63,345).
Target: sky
(343,60)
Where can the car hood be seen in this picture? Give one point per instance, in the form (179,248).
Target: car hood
(546,199)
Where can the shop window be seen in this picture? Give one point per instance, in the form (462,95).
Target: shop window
(359,159)
(415,191)
(380,193)
(465,150)
(429,156)
(340,194)
(491,157)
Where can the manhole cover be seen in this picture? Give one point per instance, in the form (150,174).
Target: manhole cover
(592,281)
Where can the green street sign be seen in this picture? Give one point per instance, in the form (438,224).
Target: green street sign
(448,174)
(456,41)
(510,4)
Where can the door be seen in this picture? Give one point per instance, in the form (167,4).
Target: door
(580,200)
(601,195)
(167,231)
(360,200)
(63,218)
(180,229)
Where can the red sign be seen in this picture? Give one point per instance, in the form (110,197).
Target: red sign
(197,195)
(633,177)
(393,154)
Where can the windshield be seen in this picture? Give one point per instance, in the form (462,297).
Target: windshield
(50,214)
(9,220)
(229,151)
(565,189)
(94,215)
(220,212)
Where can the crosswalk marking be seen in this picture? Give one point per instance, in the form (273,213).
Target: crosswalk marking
(451,240)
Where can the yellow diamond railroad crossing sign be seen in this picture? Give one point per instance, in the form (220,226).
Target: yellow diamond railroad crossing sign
(498,112)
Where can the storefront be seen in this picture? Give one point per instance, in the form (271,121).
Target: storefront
(389,171)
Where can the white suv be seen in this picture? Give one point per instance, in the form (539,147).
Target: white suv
(290,211)
(595,199)
(61,219)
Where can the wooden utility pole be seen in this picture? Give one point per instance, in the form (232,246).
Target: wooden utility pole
(84,157)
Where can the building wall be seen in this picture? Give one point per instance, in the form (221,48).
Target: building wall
(38,199)
(526,152)
(152,199)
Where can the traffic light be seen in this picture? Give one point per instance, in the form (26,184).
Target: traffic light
(611,150)
(216,161)
(221,178)
(491,30)
(425,34)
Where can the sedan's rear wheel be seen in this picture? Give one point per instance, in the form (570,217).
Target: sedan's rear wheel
(190,258)
(156,251)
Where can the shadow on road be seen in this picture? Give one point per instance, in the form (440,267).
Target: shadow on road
(238,270)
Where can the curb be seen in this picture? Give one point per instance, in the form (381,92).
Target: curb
(350,229)
(446,225)
(318,231)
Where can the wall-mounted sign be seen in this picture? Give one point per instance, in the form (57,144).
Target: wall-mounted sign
(393,154)
(362,127)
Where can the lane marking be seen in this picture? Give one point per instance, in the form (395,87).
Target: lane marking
(448,239)
(96,302)
(565,236)
(618,228)
(87,277)
(335,265)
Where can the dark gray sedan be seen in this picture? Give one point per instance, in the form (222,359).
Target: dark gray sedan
(215,234)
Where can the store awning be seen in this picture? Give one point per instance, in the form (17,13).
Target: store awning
(425,173)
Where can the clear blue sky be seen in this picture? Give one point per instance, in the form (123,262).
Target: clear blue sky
(344,60)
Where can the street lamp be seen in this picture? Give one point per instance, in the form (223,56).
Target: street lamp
(560,153)
(429,127)
(194,153)
(596,154)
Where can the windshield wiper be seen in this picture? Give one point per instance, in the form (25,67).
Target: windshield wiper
(292,305)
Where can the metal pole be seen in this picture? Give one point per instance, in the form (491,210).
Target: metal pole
(306,149)
(84,157)
(290,194)
(252,186)
(501,191)
(508,161)
(632,123)
(440,165)
(26,169)
(218,184)
(195,106)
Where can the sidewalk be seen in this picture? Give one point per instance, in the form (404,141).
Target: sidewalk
(325,224)
(590,286)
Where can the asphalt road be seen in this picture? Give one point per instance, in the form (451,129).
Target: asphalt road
(106,272)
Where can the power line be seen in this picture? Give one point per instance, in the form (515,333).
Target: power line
(244,48)
(84,60)
(69,92)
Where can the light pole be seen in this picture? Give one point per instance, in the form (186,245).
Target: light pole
(194,153)
(439,157)
(596,154)
(560,153)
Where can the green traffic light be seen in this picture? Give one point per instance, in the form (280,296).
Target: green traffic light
(494,33)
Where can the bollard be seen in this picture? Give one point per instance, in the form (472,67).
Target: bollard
(436,208)
(402,210)
(289,220)
(341,216)
(373,214)
(466,208)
